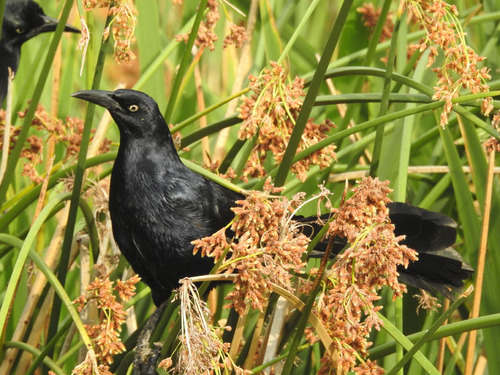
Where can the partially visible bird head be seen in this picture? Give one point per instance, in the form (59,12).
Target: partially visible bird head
(24,19)
(135,113)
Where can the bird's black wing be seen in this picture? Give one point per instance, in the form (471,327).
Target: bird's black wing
(442,271)
(439,267)
(155,231)
(424,230)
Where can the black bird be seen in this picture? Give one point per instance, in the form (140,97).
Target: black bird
(158,206)
(23,20)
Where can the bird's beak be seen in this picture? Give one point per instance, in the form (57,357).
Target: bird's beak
(50,24)
(99,97)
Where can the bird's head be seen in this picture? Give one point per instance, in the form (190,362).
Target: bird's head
(24,19)
(136,114)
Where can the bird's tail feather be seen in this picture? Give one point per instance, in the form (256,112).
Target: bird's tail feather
(439,268)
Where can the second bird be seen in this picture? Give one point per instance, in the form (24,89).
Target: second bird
(23,20)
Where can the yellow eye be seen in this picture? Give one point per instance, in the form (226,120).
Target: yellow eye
(19,30)
(133,108)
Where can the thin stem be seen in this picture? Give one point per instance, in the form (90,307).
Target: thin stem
(77,189)
(184,65)
(471,347)
(312,94)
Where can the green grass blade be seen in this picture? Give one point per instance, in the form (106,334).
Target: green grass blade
(21,260)
(35,352)
(298,29)
(465,205)
(407,344)
(427,335)
(384,103)
(272,42)
(312,92)
(149,45)
(77,188)
(185,61)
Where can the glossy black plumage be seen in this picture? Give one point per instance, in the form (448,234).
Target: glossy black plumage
(158,206)
(23,20)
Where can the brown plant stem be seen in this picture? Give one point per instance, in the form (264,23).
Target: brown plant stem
(274,333)
(238,332)
(469,363)
(8,122)
(255,340)
(442,342)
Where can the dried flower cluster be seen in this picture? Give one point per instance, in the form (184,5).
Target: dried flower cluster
(202,350)
(67,133)
(493,144)
(214,165)
(106,334)
(347,308)
(266,248)
(269,117)
(122,25)
(236,37)
(207,37)
(460,69)
(33,153)
(14,132)
(98,193)
(370,17)
(426,301)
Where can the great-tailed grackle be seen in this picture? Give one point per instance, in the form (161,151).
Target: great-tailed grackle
(158,206)
(23,20)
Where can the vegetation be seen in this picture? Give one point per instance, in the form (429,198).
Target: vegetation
(308,93)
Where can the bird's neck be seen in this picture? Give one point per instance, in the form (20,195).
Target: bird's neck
(147,155)
(9,56)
